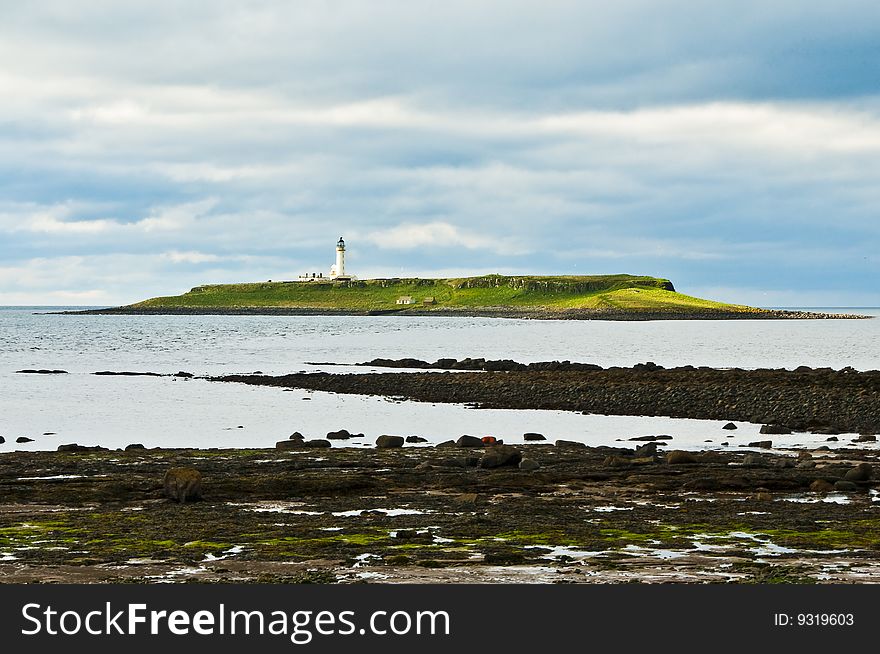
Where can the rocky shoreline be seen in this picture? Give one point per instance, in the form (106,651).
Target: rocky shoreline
(485,312)
(440,514)
(819,400)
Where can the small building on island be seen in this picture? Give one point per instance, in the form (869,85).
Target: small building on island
(405,299)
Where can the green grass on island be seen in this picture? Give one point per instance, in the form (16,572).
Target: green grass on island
(624,293)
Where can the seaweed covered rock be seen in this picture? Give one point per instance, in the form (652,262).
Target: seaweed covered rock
(183,484)
(680,457)
(500,455)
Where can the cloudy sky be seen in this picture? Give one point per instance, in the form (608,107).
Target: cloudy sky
(731,146)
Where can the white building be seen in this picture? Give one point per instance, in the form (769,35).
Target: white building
(337,270)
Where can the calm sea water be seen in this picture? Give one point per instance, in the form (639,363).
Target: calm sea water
(115,411)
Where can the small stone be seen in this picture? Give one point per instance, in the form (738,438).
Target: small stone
(296,436)
(529,465)
(831,439)
(729,426)
(679,457)
(385,442)
(534,436)
(24,439)
(416,439)
(2,440)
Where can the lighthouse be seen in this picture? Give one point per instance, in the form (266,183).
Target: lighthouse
(340,258)
(337,271)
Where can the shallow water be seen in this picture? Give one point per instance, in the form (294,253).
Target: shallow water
(116,411)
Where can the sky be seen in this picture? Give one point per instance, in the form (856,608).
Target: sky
(149,147)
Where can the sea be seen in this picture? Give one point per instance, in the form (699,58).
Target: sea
(113,411)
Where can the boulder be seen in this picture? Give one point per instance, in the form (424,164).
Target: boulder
(729,426)
(775,429)
(2,440)
(341,435)
(861,472)
(73,447)
(529,465)
(865,438)
(762,444)
(845,486)
(446,444)
(500,455)
(661,437)
(679,457)
(183,484)
(533,436)
(134,446)
(416,439)
(469,441)
(385,442)
(24,439)
(648,449)
(296,436)
(317,443)
(572,444)
(289,445)
(821,486)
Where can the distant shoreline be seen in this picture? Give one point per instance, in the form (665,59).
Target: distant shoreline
(486,312)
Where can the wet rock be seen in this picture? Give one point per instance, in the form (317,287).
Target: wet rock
(386,441)
(24,439)
(767,445)
(648,449)
(182,484)
(775,429)
(296,436)
(661,437)
(753,460)
(416,439)
(341,435)
(2,440)
(446,444)
(289,445)
(729,426)
(821,486)
(184,375)
(861,472)
(865,438)
(73,447)
(134,446)
(529,465)
(845,486)
(317,443)
(500,455)
(534,436)
(680,457)
(832,439)
(469,441)
(572,444)
(42,372)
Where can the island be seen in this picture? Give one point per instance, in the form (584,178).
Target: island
(604,297)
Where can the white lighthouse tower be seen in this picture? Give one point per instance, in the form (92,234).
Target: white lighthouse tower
(337,271)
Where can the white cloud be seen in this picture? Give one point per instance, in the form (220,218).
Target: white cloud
(410,236)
